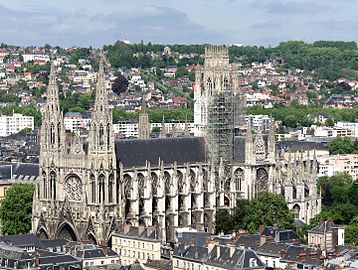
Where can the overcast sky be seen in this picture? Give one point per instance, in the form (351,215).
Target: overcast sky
(252,22)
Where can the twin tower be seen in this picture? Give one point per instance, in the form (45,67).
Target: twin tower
(77,196)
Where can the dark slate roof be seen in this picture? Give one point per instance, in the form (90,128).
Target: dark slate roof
(93,251)
(58,259)
(239,259)
(136,152)
(299,145)
(229,257)
(22,240)
(325,226)
(280,235)
(131,267)
(293,253)
(197,238)
(13,253)
(251,241)
(55,243)
(135,233)
(20,171)
(5,172)
(271,249)
(159,264)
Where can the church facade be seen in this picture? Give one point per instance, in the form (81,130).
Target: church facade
(88,187)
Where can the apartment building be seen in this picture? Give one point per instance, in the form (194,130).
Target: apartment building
(12,124)
(336,164)
(136,244)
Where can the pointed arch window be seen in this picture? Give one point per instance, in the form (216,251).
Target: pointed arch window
(53,185)
(93,188)
(101,135)
(209,84)
(226,84)
(44,185)
(52,134)
(58,133)
(108,134)
(101,195)
(110,188)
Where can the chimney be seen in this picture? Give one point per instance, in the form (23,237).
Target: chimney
(261,228)
(37,260)
(105,250)
(218,251)
(79,253)
(232,250)
(329,224)
(126,228)
(141,229)
(320,221)
(211,245)
(282,253)
(262,239)
(302,255)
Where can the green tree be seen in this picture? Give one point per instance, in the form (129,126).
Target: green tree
(351,232)
(16,209)
(353,193)
(268,209)
(224,221)
(329,122)
(240,213)
(341,145)
(25,130)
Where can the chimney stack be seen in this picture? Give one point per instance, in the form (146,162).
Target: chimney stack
(37,260)
(218,251)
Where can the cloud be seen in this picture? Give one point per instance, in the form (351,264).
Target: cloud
(148,23)
(290,7)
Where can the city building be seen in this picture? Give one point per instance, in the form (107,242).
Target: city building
(326,235)
(94,256)
(136,244)
(11,124)
(76,121)
(215,256)
(335,164)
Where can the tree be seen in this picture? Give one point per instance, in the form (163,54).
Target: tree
(351,232)
(268,209)
(16,209)
(341,145)
(120,84)
(25,130)
(329,122)
(353,193)
(240,213)
(224,221)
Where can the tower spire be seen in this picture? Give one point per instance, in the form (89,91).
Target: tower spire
(143,123)
(53,104)
(101,102)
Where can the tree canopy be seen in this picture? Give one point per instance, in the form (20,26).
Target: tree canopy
(343,145)
(267,209)
(16,209)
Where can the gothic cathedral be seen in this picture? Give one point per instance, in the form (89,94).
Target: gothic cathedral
(92,184)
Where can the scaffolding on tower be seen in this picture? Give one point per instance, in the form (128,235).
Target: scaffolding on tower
(220,128)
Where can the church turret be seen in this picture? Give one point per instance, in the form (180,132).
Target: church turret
(52,128)
(101,133)
(163,130)
(143,123)
(271,141)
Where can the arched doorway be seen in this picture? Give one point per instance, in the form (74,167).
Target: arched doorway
(42,234)
(66,232)
(296,210)
(91,238)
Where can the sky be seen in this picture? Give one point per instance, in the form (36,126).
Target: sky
(247,22)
